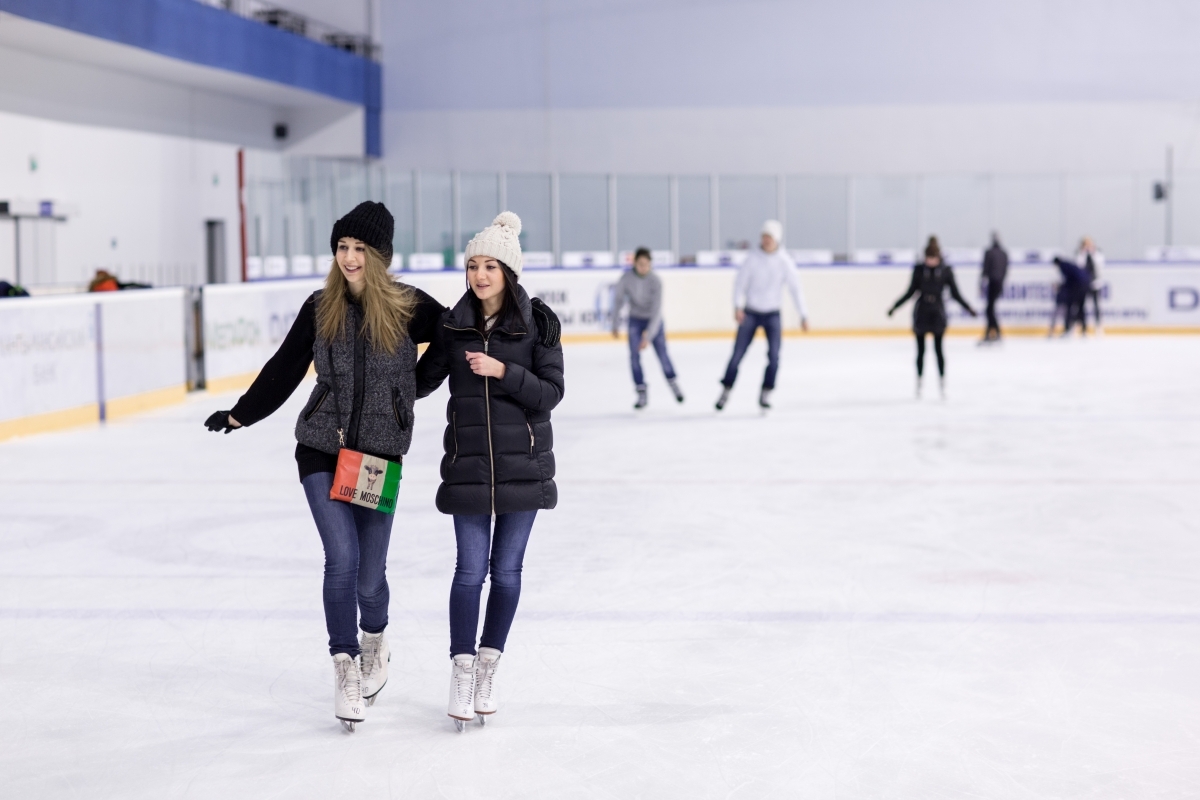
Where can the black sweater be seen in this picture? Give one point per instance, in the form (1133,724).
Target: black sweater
(286,369)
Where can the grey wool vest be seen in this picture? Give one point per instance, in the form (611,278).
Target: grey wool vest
(373,401)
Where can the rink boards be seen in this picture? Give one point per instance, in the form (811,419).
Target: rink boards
(83,358)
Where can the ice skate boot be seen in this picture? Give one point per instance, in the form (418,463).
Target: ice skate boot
(462,690)
(942,386)
(674,384)
(764,399)
(918,387)
(348,704)
(374,660)
(641,398)
(485,682)
(723,399)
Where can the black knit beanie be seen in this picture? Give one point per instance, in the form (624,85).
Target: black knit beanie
(368,222)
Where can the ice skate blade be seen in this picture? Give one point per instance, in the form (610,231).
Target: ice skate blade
(348,725)
(459,724)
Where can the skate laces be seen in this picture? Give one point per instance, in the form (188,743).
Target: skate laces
(484,671)
(464,675)
(350,683)
(372,648)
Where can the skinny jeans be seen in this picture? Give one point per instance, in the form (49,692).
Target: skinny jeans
(355,590)
(485,550)
(637,329)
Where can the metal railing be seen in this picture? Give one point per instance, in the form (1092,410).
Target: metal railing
(300,25)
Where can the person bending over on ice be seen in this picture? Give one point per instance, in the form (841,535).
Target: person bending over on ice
(930,279)
(642,288)
(502,354)
(361,333)
(757,298)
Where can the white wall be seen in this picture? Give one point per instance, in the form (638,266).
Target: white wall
(1075,102)
(150,193)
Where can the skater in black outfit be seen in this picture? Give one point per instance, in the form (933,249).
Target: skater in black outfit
(929,280)
(502,354)
(360,333)
(995,269)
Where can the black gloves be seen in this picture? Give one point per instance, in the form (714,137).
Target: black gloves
(549,328)
(218,421)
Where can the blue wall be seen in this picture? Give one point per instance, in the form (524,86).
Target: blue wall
(190,31)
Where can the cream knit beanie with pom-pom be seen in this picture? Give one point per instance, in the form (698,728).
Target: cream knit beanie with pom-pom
(499,241)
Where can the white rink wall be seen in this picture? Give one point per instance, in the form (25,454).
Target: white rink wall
(73,359)
(49,351)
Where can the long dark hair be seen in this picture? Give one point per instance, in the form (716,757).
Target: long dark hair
(510,303)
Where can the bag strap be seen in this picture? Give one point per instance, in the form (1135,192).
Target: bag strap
(336,399)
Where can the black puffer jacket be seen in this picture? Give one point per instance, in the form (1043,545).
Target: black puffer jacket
(498,441)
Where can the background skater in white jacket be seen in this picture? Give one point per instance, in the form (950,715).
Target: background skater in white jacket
(757,297)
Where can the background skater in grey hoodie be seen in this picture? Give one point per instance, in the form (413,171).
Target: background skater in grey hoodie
(643,290)
(757,298)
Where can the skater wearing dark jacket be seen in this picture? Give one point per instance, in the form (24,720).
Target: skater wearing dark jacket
(361,333)
(930,279)
(995,270)
(502,355)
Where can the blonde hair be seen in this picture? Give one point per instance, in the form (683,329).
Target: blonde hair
(387,306)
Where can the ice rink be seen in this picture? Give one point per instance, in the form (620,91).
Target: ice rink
(858,595)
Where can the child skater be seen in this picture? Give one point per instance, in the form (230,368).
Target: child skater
(642,288)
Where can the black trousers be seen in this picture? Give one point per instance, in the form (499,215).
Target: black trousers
(994,290)
(1095,295)
(937,350)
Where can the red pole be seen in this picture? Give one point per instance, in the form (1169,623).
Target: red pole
(242,206)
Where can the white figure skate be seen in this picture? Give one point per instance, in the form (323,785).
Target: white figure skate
(485,682)
(374,660)
(347,692)
(462,691)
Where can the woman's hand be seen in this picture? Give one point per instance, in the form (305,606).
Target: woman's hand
(484,365)
(221,421)
(644,343)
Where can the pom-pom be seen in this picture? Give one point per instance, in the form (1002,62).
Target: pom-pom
(508,219)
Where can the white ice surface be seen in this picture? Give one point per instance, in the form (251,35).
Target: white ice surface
(857,596)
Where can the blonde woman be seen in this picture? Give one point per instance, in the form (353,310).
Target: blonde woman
(361,333)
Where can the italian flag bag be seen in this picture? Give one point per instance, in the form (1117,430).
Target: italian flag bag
(366,480)
(361,479)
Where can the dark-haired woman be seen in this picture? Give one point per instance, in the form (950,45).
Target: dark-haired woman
(930,278)
(361,333)
(505,364)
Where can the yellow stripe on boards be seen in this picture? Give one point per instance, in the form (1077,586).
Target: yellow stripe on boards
(50,421)
(796,333)
(145,401)
(231,383)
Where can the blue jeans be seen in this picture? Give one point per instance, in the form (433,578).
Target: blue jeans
(771,325)
(356,545)
(479,548)
(637,329)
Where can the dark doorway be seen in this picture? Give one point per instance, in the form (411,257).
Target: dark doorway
(214,250)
